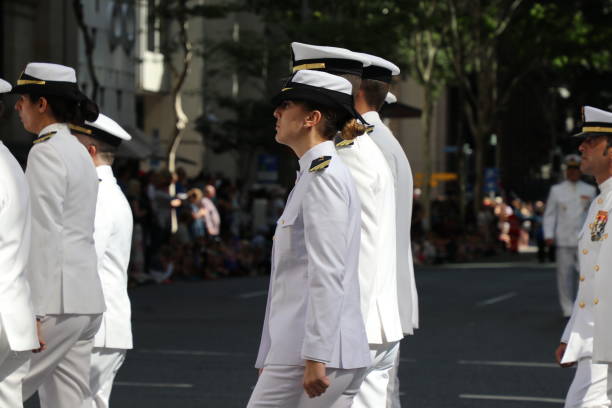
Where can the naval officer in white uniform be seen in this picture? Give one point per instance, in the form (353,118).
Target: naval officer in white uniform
(377,256)
(374,92)
(566,210)
(113,237)
(62,272)
(313,338)
(587,339)
(17,321)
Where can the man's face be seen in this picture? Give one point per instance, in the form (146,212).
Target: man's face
(595,157)
(573,174)
(29,113)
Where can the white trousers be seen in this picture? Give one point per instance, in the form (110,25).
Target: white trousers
(373,392)
(282,387)
(105,362)
(590,387)
(393,390)
(567,277)
(61,373)
(13,367)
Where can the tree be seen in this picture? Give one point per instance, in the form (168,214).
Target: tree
(423,46)
(175,16)
(475,29)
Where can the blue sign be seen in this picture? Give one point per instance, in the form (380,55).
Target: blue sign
(267,168)
(491,180)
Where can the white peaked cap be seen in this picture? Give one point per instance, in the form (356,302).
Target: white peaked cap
(109,126)
(322,79)
(595,122)
(50,72)
(591,114)
(303,51)
(390,98)
(5,86)
(572,160)
(334,60)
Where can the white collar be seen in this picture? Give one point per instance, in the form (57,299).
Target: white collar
(606,186)
(54,127)
(371,117)
(322,149)
(105,172)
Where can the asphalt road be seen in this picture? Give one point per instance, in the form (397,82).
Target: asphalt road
(488,332)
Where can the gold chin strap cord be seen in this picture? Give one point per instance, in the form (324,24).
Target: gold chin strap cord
(317,65)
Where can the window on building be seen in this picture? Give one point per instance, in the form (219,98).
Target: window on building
(119,99)
(140,116)
(153,27)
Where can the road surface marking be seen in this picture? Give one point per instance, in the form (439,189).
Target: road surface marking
(253,294)
(511,398)
(508,363)
(192,352)
(492,265)
(151,385)
(496,299)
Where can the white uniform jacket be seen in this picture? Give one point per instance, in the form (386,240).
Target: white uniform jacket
(313,310)
(16,311)
(566,209)
(588,332)
(402,176)
(63,189)
(377,266)
(113,237)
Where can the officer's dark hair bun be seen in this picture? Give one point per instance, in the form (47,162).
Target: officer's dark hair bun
(89,110)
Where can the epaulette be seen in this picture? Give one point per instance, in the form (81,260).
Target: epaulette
(320,163)
(344,143)
(369,129)
(45,137)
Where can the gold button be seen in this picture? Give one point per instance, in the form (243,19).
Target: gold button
(282,221)
(596,268)
(605,236)
(585,251)
(581,304)
(581,278)
(599,201)
(596,301)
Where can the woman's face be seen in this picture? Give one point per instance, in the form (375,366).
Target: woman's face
(29,113)
(290,118)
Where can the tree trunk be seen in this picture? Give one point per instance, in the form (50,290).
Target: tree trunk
(480,152)
(426,118)
(180,117)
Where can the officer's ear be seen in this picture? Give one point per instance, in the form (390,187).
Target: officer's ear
(92,149)
(42,104)
(313,118)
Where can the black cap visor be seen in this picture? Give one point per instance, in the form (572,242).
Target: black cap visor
(594,129)
(377,73)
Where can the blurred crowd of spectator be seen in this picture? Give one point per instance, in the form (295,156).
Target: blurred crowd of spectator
(500,226)
(204,231)
(211,227)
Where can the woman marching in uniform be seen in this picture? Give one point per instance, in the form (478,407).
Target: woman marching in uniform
(314,348)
